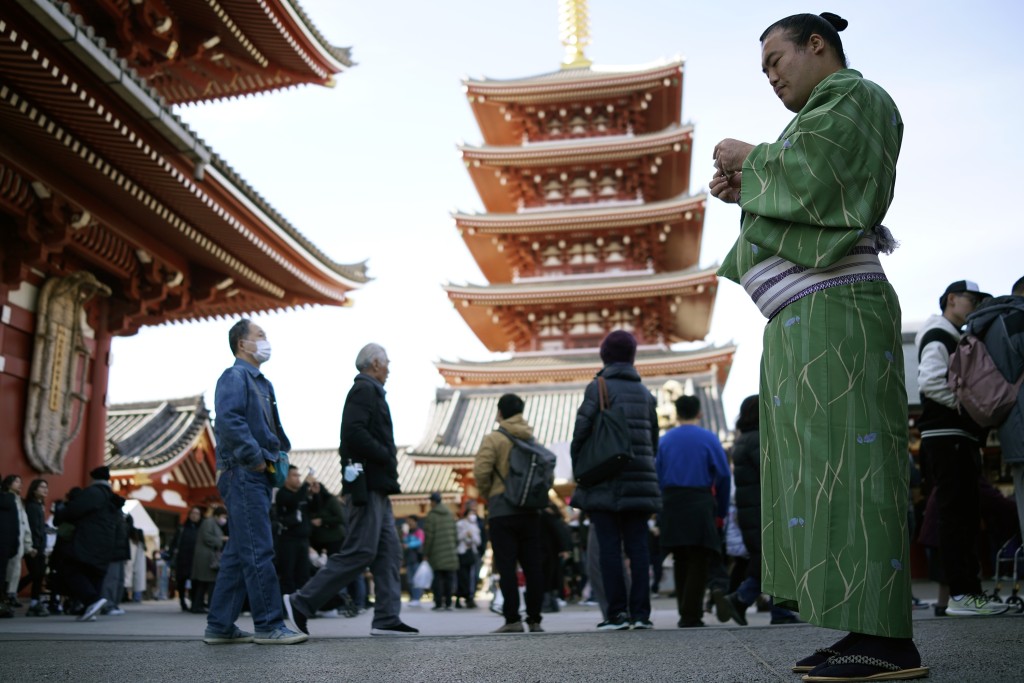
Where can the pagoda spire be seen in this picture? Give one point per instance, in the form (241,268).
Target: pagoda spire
(574,30)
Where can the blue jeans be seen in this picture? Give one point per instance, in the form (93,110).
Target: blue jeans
(618,531)
(247,565)
(748,592)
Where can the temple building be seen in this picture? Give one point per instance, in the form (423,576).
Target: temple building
(114,215)
(589,227)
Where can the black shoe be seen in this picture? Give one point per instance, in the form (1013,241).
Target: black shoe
(398,629)
(470,603)
(618,623)
(940,610)
(295,615)
(688,623)
(729,607)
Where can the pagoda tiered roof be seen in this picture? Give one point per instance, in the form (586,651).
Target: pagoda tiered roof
(680,303)
(85,137)
(191,50)
(582,365)
(461,417)
(507,244)
(648,167)
(643,98)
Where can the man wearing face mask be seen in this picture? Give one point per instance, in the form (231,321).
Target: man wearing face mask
(249,440)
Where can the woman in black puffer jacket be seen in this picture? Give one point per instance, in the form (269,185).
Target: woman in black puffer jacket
(620,507)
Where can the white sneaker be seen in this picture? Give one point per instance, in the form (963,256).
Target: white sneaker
(971,605)
(328,614)
(115,612)
(415,603)
(90,612)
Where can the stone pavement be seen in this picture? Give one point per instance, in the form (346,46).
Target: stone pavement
(156,642)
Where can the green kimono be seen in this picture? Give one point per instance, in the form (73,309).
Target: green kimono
(833,400)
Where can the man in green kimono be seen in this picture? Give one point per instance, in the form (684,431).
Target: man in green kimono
(833,402)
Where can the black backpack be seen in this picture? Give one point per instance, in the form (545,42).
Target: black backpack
(531,473)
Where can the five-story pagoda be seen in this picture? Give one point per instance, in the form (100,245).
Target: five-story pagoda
(589,227)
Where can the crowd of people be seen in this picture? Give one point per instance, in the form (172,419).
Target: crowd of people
(824,442)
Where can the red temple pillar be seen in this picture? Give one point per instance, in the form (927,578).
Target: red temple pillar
(96,418)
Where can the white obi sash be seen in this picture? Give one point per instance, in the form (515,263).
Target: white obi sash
(775,283)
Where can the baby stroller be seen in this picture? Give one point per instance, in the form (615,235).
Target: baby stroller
(1010,567)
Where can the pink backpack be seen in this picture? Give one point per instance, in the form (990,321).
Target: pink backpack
(980,388)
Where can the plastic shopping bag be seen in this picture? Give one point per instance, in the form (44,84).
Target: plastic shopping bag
(423,577)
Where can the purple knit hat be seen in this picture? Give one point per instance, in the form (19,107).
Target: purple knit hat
(618,347)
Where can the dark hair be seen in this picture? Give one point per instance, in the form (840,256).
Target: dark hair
(687,407)
(800,27)
(748,419)
(510,405)
(8,480)
(36,483)
(219,510)
(1018,287)
(292,467)
(237,333)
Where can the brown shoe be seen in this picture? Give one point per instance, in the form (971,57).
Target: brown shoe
(514,627)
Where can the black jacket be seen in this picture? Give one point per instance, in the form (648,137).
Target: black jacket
(100,528)
(636,487)
(37,522)
(293,512)
(367,436)
(10,528)
(185,549)
(746,461)
(327,507)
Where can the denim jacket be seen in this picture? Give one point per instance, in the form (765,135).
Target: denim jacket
(244,404)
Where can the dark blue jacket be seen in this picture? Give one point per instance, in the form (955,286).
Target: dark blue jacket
(636,487)
(247,425)
(101,533)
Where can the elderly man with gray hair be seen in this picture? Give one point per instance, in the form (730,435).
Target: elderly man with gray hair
(370,463)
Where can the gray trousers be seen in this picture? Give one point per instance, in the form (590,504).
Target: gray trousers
(372,541)
(113,583)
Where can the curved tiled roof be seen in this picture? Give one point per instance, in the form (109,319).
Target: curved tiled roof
(414,479)
(461,418)
(153,433)
(59,18)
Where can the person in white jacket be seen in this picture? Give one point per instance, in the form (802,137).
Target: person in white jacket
(950,455)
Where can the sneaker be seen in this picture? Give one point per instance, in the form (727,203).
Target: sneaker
(967,605)
(295,616)
(115,612)
(280,636)
(534,627)
(619,623)
(90,612)
(38,610)
(514,627)
(398,629)
(642,625)
(415,603)
(328,614)
(235,637)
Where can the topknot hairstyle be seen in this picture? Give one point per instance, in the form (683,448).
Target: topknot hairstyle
(800,27)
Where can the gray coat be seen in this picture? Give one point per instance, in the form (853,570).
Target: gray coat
(209,540)
(1000,324)
(636,487)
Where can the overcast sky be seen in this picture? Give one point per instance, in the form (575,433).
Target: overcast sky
(369,170)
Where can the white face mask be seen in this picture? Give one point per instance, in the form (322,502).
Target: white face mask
(262,352)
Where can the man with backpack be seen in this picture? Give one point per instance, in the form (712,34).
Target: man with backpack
(999,323)
(950,455)
(515,530)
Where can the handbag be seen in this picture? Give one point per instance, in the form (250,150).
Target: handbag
(423,577)
(609,448)
(278,471)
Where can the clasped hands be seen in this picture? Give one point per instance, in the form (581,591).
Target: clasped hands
(729,156)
